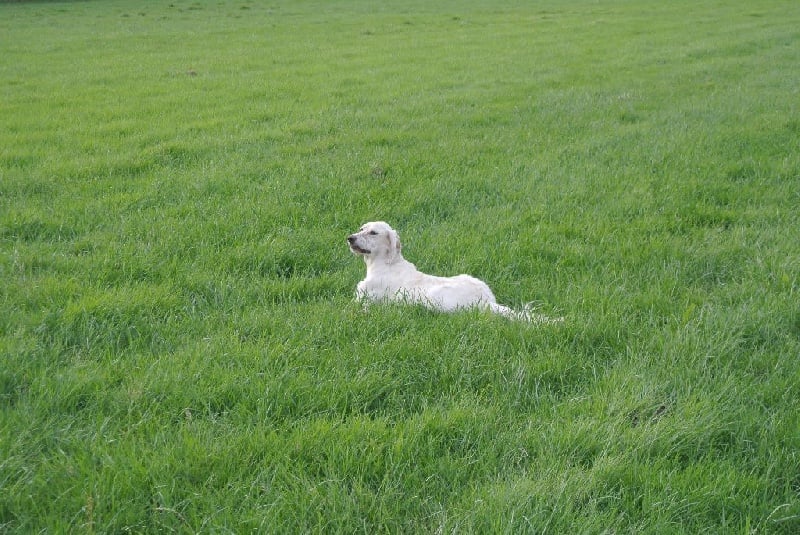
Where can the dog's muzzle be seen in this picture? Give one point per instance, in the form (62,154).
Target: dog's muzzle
(355,248)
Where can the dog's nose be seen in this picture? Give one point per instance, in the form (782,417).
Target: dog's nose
(351,238)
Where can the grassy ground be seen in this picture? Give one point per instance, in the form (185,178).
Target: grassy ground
(180,348)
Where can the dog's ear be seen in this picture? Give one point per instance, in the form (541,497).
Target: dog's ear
(394,244)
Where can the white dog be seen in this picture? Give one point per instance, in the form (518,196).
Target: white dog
(390,277)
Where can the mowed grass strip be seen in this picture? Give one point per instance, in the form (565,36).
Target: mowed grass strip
(180,347)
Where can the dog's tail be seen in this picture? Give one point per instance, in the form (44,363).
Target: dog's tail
(527,314)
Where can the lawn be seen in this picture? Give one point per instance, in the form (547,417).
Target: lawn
(180,346)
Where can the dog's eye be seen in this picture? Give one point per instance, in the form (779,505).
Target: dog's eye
(373,232)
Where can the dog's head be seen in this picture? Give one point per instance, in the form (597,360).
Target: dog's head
(376,240)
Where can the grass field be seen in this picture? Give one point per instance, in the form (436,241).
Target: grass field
(180,346)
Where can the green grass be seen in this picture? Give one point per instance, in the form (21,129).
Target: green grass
(180,346)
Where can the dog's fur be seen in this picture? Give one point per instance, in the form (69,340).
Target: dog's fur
(390,277)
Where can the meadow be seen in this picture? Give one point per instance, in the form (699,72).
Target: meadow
(179,344)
